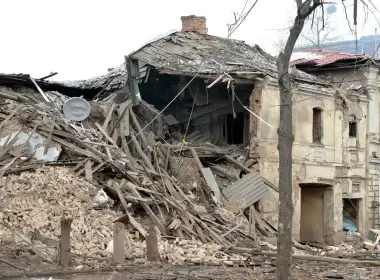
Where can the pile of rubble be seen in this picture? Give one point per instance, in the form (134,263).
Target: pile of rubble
(113,166)
(36,201)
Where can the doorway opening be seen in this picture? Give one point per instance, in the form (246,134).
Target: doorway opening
(350,214)
(234,128)
(315,212)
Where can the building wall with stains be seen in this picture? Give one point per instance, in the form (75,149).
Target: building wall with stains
(314,163)
(373,86)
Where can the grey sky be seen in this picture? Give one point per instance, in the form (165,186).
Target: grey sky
(82,38)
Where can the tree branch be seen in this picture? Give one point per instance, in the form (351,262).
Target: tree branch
(312,41)
(345,12)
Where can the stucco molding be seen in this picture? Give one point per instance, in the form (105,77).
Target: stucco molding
(296,143)
(313,90)
(325,181)
(309,88)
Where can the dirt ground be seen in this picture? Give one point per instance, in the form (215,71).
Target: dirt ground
(18,262)
(301,271)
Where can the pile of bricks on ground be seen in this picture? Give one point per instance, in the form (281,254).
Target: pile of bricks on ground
(36,201)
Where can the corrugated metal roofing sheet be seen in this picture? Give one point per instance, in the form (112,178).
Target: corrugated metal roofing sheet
(248,190)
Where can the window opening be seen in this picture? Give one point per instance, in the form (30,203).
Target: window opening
(317,125)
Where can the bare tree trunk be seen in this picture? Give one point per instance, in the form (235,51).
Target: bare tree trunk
(285,143)
(285,146)
(285,137)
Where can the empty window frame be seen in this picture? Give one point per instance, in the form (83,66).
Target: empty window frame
(352,127)
(317,125)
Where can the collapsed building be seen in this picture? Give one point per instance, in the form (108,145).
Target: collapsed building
(215,103)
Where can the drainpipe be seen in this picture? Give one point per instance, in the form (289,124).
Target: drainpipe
(367,160)
(378,198)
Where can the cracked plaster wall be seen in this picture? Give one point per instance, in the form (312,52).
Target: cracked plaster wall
(312,163)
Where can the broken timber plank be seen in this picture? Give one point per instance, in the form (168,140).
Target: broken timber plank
(72,147)
(47,99)
(48,140)
(126,121)
(262,226)
(238,164)
(140,152)
(131,187)
(124,143)
(252,221)
(167,159)
(132,220)
(106,135)
(137,125)
(197,160)
(171,189)
(109,116)
(200,169)
(210,180)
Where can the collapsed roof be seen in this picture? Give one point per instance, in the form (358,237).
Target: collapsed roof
(188,52)
(314,60)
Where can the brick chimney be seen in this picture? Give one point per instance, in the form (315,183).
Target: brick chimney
(194,23)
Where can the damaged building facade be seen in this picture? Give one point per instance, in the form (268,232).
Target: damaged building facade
(224,93)
(357,76)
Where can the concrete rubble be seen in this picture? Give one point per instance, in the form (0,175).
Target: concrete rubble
(108,169)
(35,202)
(118,166)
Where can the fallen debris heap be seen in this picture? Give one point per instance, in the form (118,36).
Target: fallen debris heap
(118,165)
(113,166)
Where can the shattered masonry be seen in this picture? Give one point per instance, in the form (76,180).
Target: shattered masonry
(204,173)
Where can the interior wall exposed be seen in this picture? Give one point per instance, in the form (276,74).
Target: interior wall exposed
(211,111)
(351,214)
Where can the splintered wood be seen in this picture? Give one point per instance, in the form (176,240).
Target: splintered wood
(116,171)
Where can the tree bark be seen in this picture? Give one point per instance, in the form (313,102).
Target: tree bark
(285,145)
(285,142)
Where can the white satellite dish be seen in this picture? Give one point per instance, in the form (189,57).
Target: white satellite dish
(76,109)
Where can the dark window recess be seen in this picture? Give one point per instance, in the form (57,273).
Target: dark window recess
(317,125)
(234,128)
(352,129)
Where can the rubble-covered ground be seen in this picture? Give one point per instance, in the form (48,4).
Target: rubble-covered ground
(111,170)
(263,268)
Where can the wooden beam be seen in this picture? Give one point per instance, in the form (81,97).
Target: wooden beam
(131,187)
(64,250)
(152,253)
(118,242)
